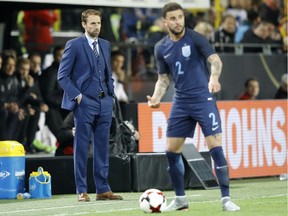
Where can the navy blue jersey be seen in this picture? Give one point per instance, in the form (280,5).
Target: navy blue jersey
(186,60)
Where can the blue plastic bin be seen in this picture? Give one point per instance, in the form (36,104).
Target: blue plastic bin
(12,169)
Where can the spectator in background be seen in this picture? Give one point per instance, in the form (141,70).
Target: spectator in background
(210,16)
(269,10)
(30,102)
(252,88)
(111,21)
(282,90)
(35,72)
(251,21)
(10,53)
(119,76)
(274,36)
(135,22)
(52,93)
(37,31)
(235,8)
(255,4)
(155,32)
(35,67)
(205,29)
(258,35)
(225,34)
(9,103)
(67,132)
(245,4)
(65,137)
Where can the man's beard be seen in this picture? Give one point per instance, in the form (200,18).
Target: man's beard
(93,34)
(176,33)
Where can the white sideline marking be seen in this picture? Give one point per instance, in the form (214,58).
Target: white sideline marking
(109,203)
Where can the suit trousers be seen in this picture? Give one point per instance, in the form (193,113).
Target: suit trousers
(92,119)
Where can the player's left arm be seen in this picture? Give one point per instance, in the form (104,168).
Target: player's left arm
(216,68)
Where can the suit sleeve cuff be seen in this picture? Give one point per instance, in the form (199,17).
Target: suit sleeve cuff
(76,97)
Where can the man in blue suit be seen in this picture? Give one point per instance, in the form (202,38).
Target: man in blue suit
(85,75)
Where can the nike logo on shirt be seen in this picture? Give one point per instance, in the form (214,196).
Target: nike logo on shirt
(166,56)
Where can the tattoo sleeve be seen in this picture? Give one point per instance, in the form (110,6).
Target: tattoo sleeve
(216,65)
(161,86)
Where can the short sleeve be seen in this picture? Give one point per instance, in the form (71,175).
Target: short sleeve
(162,67)
(203,45)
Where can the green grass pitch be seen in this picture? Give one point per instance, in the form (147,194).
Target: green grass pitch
(256,197)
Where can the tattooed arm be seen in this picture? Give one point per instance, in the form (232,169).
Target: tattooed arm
(161,87)
(216,68)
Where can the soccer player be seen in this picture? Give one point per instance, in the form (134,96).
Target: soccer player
(183,53)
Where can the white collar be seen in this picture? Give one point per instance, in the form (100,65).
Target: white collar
(90,40)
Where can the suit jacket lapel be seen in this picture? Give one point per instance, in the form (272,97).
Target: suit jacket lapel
(87,49)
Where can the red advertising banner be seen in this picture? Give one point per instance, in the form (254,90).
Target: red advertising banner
(254,136)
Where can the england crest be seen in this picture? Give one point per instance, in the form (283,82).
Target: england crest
(186,51)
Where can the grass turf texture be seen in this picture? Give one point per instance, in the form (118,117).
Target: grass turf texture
(256,197)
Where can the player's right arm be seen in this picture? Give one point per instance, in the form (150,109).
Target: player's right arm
(161,87)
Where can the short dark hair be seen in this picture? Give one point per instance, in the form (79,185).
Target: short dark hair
(34,53)
(250,80)
(172,6)
(89,12)
(22,61)
(6,55)
(117,53)
(227,16)
(252,15)
(57,49)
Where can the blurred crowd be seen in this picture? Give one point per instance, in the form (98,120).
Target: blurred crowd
(232,21)
(26,91)
(226,24)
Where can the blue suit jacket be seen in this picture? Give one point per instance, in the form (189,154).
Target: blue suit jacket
(76,69)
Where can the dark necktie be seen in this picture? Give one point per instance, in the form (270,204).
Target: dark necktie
(95,48)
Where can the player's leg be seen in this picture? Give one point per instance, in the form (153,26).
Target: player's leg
(180,126)
(221,169)
(210,122)
(176,166)
(176,171)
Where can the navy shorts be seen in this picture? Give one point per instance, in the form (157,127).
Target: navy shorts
(184,117)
